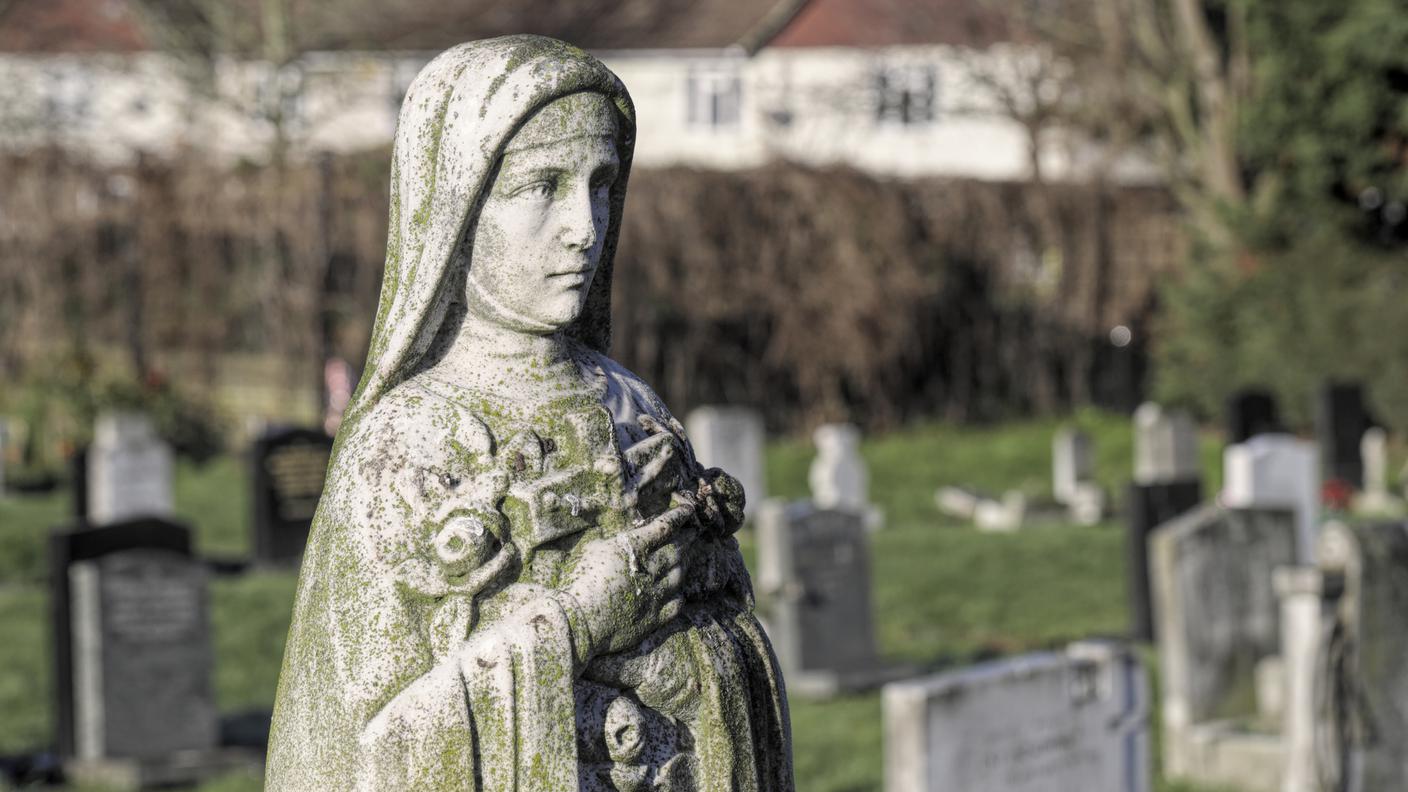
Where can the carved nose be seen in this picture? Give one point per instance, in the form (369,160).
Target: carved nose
(579,232)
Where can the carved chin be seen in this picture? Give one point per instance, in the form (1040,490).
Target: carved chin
(549,316)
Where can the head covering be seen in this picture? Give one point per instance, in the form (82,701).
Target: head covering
(458,114)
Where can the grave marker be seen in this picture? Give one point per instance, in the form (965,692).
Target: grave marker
(1341,418)
(1251,412)
(814,572)
(731,438)
(1167,483)
(1075,721)
(132,649)
(130,470)
(1276,471)
(1212,573)
(288,469)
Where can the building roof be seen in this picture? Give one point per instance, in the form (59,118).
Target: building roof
(883,23)
(37,26)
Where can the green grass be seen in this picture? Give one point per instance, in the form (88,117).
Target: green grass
(944,594)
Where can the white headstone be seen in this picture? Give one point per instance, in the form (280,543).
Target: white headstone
(1276,471)
(130,470)
(1072,464)
(1165,445)
(1075,721)
(1376,497)
(838,477)
(731,438)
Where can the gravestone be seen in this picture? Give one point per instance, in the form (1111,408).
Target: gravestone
(1365,664)
(838,476)
(132,651)
(1218,619)
(1072,464)
(287,470)
(1075,721)
(1251,412)
(130,470)
(1167,483)
(814,575)
(1376,497)
(1165,446)
(1276,471)
(731,438)
(1341,418)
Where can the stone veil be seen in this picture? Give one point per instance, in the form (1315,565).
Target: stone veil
(436,641)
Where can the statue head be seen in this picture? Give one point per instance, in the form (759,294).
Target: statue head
(508,178)
(536,244)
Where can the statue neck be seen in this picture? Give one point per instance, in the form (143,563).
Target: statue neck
(491,357)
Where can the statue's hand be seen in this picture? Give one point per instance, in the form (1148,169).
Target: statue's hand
(623,588)
(655,469)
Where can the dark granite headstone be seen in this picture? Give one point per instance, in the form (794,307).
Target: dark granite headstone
(1341,418)
(1150,505)
(288,470)
(78,483)
(1250,413)
(132,646)
(814,566)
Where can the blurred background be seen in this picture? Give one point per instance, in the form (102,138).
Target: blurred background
(975,235)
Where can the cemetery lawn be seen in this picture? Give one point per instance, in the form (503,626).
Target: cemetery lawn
(944,594)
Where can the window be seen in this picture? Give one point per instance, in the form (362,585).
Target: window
(906,94)
(715,96)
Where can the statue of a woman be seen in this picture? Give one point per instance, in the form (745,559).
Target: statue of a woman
(519,577)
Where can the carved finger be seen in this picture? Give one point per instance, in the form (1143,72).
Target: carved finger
(672,579)
(666,526)
(667,556)
(649,458)
(671,609)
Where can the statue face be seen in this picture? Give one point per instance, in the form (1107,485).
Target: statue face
(539,234)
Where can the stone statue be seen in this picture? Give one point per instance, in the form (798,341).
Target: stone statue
(519,577)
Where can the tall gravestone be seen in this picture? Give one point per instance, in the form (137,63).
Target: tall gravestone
(287,471)
(1074,721)
(1376,497)
(132,652)
(1212,573)
(1251,412)
(814,576)
(1276,471)
(130,470)
(1364,684)
(1341,418)
(838,476)
(731,438)
(1167,483)
(1073,476)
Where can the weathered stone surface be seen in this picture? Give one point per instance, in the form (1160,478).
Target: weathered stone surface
(130,470)
(1050,722)
(1217,619)
(519,576)
(732,439)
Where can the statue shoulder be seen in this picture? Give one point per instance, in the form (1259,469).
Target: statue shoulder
(620,379)
(416,429)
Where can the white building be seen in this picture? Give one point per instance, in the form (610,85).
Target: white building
(897,88)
